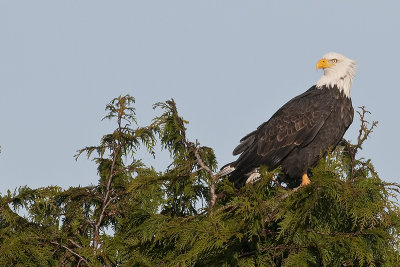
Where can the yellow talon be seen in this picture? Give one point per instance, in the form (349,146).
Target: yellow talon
(305,180)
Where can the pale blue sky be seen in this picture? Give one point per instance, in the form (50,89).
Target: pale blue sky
(228,64)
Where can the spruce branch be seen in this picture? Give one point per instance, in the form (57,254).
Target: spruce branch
(172,132)
(273,248)
(122,142)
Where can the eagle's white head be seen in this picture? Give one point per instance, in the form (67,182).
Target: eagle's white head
(338,70)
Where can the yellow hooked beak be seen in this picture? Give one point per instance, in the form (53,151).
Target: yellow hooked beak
(323,63)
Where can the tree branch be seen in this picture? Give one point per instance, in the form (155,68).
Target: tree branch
(213,196)
(71,251)
(284,247)
(74,243)
(363,134)
(106,200)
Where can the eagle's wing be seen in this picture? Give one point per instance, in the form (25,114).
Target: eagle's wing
(294,124)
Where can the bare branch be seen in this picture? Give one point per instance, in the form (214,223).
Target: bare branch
(364,129)
(71,251)
(290,192)
(203,166)
(364,132)
(213,196)
(74,243)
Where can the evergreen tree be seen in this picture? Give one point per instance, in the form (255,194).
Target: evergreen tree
(187,216)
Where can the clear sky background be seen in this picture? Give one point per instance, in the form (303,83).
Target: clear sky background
(229,65)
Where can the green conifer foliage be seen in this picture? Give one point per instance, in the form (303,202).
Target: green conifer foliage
(187,216)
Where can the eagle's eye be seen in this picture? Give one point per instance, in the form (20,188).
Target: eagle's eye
(334,60)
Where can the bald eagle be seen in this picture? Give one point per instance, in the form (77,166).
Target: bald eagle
(302,130)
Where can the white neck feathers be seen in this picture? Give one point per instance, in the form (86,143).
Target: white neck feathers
(341,75)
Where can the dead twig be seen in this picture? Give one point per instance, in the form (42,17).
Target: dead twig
(365,130)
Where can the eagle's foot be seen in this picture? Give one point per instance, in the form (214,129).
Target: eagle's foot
(305,180)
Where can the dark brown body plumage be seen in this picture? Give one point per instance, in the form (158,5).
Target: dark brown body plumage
(296,135)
